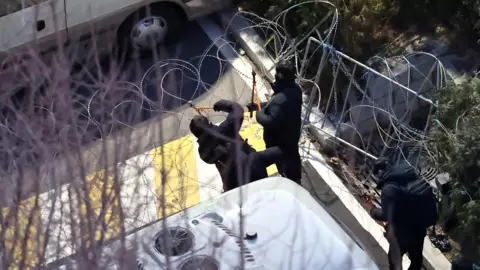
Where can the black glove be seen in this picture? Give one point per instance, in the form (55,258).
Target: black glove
(221,105)
(380,165)
(378,214)
(252,107)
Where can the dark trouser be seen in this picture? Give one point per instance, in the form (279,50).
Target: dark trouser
(254,164)
(290,165)
(259,161)
(406,242)
(462,263)
(402,241)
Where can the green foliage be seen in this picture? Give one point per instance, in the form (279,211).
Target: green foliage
(454,140)
(357,19)
(362,22)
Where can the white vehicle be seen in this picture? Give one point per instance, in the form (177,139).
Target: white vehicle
(284,227)
(128,24)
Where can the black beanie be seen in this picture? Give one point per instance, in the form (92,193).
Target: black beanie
(198,125)
(285,70)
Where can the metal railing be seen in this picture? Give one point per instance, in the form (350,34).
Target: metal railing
(375,112)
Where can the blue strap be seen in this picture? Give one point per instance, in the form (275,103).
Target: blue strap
(365,75)
(334,58)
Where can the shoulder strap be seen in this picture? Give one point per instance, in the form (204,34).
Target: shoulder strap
(419,187)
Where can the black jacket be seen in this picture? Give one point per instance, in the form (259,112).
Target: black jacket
(253,166)
(231,126)
(408,202)
(281,117)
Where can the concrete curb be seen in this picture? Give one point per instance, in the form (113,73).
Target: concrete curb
(243,65)
(333,192)
(323,191)
(347,209)
(239,27)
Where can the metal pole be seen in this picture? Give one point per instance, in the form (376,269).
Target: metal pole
(331,92)
(429,73)
(253,91)
(304,61)
(348,94)
(425,131)
(314,130)
(309,109)
(317,80)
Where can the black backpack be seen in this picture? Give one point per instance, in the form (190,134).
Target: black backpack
(212,149)
(422,196)
(419,199)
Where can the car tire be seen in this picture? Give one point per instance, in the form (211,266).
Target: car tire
(148,28)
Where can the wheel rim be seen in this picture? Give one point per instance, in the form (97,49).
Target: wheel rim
(149,32)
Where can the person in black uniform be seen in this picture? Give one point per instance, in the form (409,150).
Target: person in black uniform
(408,205)
(281,120)
(222,145)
